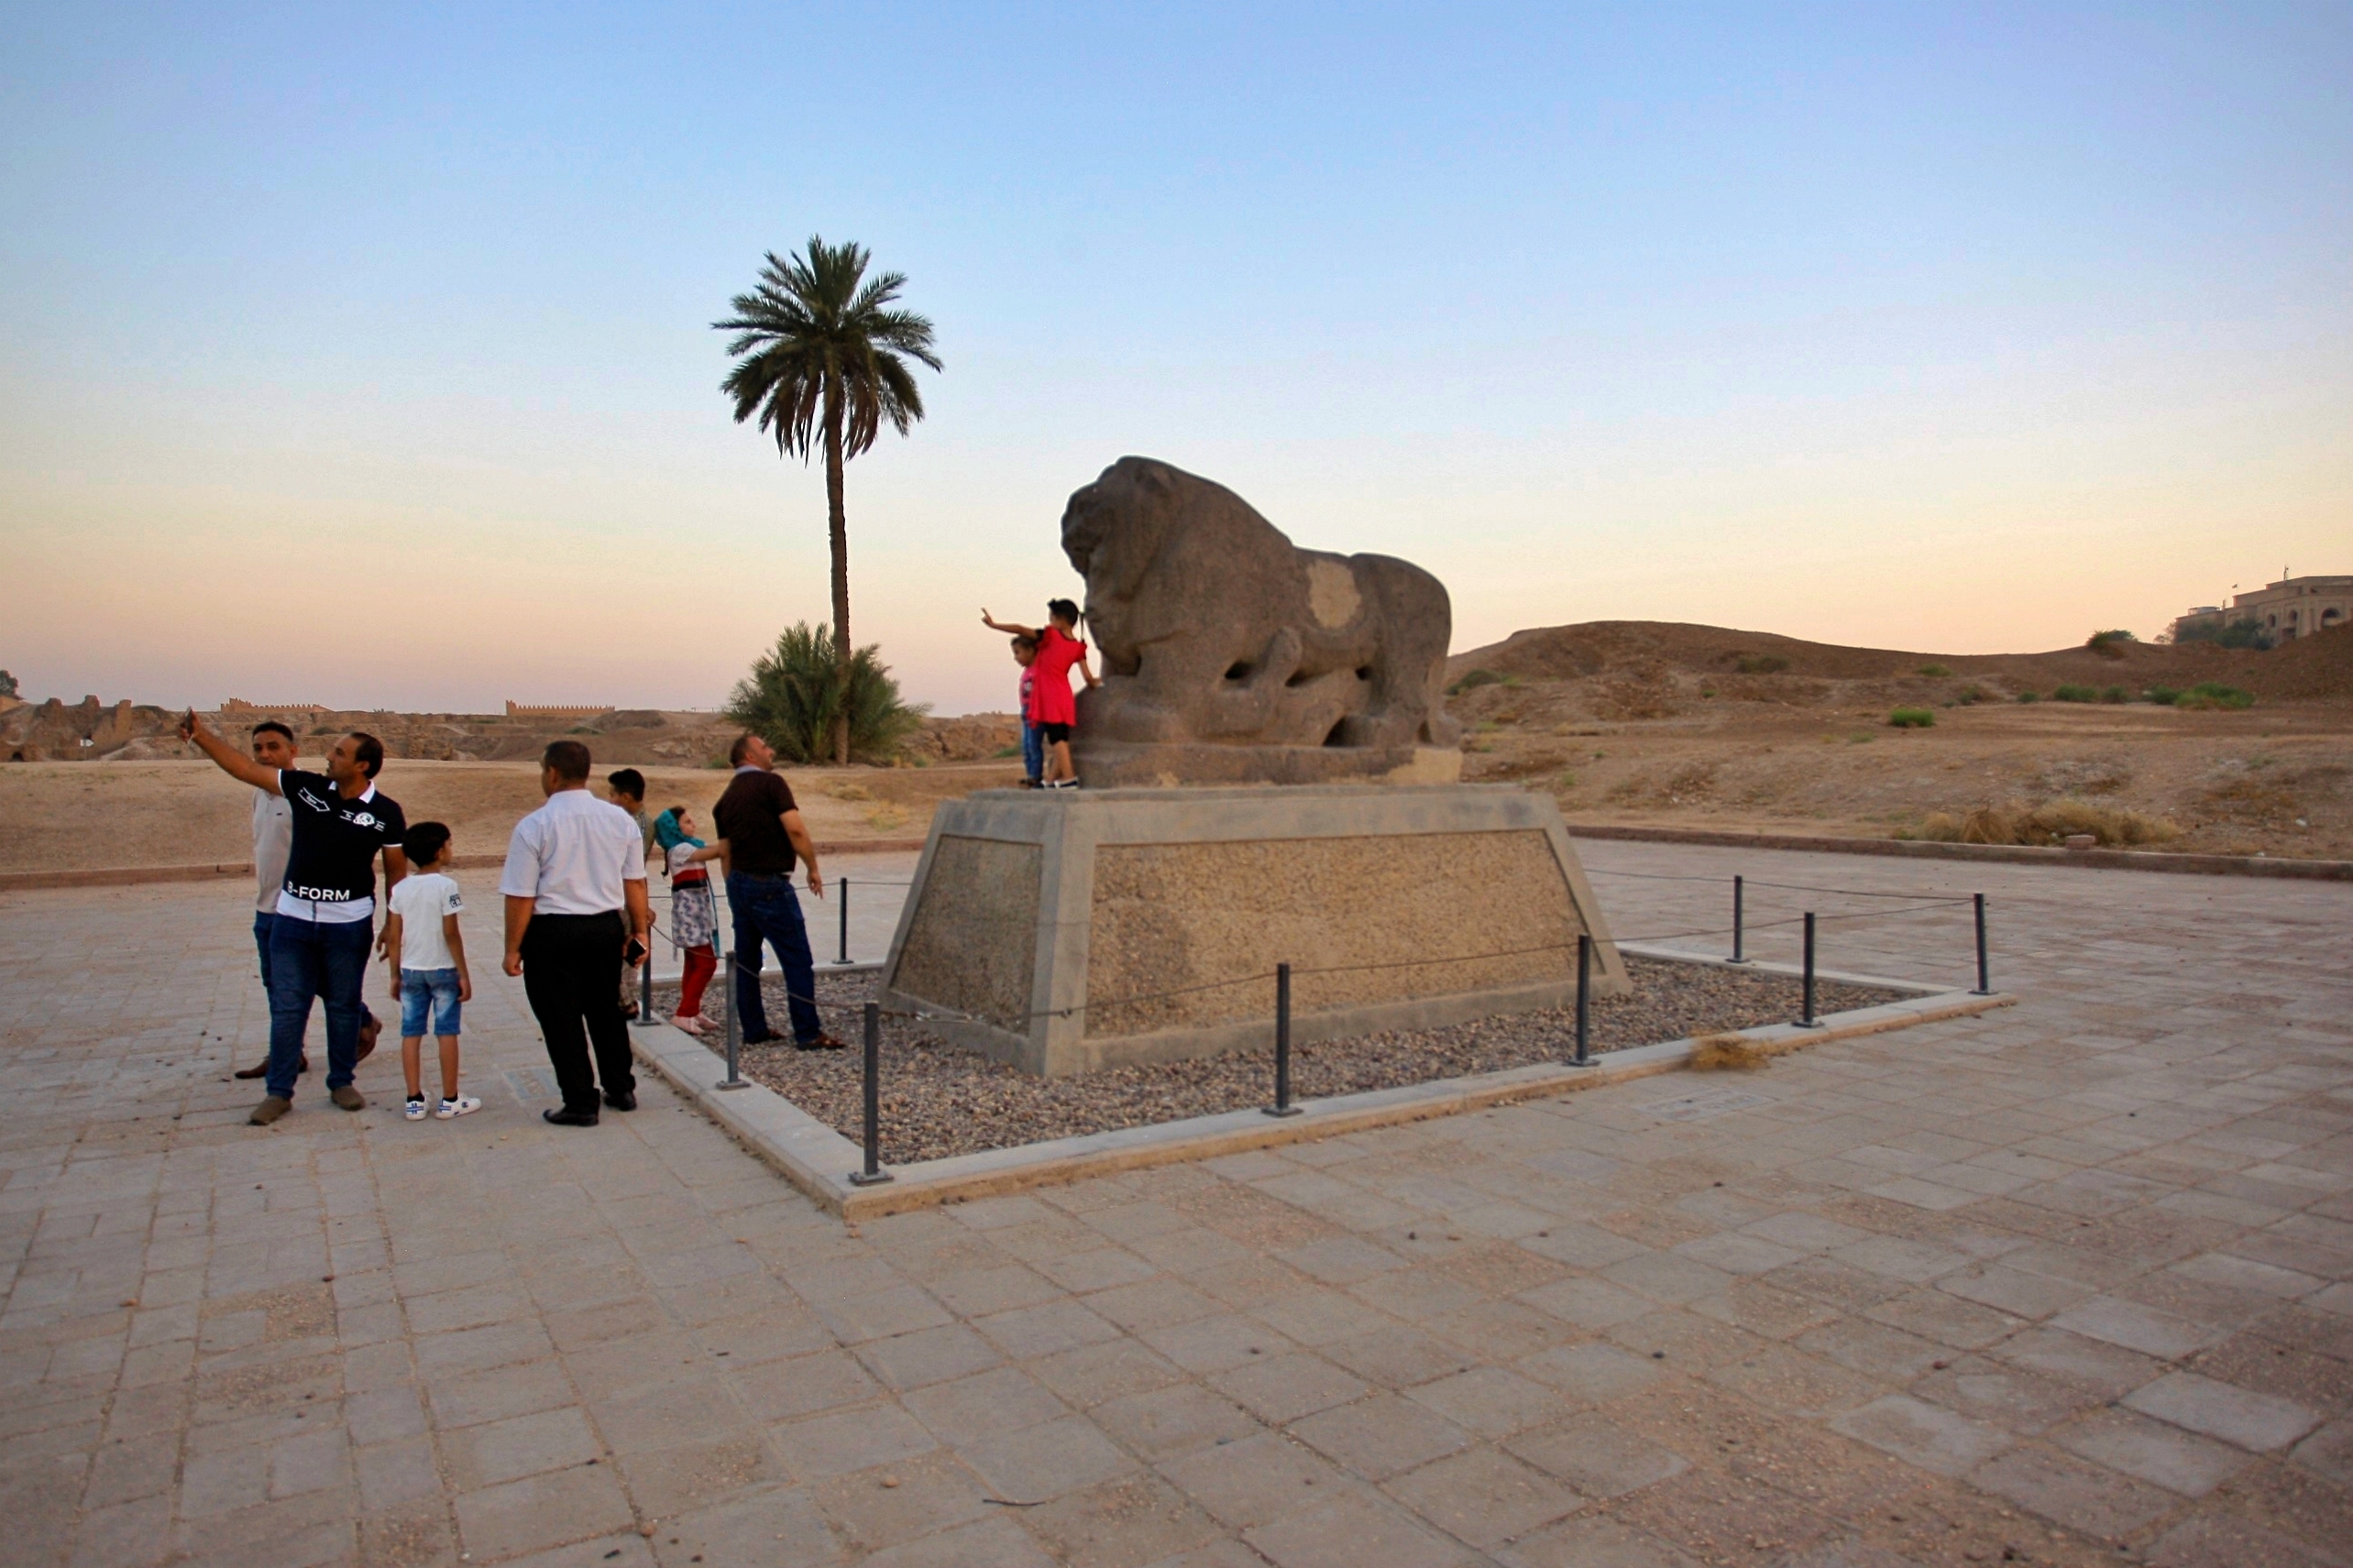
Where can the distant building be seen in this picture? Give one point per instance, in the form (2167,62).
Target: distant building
(239,705)
(554,711)
(2289,608)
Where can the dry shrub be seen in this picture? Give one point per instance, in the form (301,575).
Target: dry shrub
(2053,822)
(1728,1053)
(2252,800)
(1642,695)
(1527,766)
(1691,783)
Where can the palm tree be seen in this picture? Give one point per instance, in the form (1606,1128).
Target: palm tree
(817,354)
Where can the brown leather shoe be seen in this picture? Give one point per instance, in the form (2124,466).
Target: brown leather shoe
(349,1099)
(369,1030)
(263,1070)
(270,1110)
(822,1042)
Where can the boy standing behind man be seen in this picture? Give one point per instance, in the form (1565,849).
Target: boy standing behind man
(427,955)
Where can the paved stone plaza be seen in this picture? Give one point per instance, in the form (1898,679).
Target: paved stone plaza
(2065,1283)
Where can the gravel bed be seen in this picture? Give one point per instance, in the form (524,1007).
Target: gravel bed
(940,1100)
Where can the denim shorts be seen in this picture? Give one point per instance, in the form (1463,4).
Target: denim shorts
(428,991)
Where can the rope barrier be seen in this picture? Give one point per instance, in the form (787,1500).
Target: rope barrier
(1011,1023)
(1282,975)
(1789,886)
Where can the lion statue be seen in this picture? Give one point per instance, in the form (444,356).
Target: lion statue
(1215,631)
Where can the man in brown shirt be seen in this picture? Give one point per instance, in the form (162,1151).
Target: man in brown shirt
(762,825)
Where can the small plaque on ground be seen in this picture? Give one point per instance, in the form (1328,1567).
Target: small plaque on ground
(1706,1105)
(531,1084)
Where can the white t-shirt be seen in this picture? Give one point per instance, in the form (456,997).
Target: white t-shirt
(421,901)
(572,854)
(273,840)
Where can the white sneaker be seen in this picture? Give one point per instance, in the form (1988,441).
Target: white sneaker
(463,1105)
(415,1112)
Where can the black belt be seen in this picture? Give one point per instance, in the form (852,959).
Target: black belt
(767,876)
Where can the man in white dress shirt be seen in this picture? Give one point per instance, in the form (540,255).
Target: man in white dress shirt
(577,911)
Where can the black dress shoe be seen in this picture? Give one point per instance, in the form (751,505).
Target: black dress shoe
(822,1042)
(625,1101)
(770,1038)
(570,1118)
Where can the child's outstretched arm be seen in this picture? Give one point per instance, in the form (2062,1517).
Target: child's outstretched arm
(392,951)
(457,950)
(1008,627)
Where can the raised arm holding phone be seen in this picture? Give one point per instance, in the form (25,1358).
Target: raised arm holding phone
(325,923)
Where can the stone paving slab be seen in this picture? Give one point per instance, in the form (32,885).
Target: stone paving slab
(2072,1282)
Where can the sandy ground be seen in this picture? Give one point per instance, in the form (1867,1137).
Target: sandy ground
(2273,779)
(1632,722)
(1663,723)
(76,816)
(2276,779)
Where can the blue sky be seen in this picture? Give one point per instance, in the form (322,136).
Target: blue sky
(365,359)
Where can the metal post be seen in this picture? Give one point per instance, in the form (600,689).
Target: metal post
(1809,1021)
(1985,971)
(1584,998)
(1739,888)
(873,1173)
(843,887)
(645,1019)
(1282,1105)
(733,1079)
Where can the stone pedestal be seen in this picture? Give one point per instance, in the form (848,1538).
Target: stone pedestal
(1076,929)
(1110,764)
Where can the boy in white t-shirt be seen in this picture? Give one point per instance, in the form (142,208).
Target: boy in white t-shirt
(428,958)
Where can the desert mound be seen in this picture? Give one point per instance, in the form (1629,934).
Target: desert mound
(2317,668)
(1664,724)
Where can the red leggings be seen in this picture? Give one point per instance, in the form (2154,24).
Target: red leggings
(701,964)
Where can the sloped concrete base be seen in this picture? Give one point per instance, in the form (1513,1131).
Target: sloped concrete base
(1067,931)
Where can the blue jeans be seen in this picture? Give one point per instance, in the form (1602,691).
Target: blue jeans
(428,996)
(766,908)
(264,922)
(1033,752)
(308,960)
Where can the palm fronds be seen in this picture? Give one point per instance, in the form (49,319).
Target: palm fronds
(792,699)
(817,336)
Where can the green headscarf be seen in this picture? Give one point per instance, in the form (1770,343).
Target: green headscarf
(669,835)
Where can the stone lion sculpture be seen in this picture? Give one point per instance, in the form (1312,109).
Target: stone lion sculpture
(1230,654)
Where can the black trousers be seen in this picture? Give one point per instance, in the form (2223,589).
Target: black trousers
(571,974)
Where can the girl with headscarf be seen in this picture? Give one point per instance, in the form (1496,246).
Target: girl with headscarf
(694,914)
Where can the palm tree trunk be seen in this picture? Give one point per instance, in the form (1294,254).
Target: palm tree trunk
(838,534)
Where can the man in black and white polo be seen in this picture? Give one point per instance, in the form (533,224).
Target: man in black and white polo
(325,921)
(574,887)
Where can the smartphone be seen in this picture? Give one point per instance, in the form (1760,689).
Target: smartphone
(635,952)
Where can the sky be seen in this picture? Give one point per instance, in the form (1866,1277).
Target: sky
(363,355)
